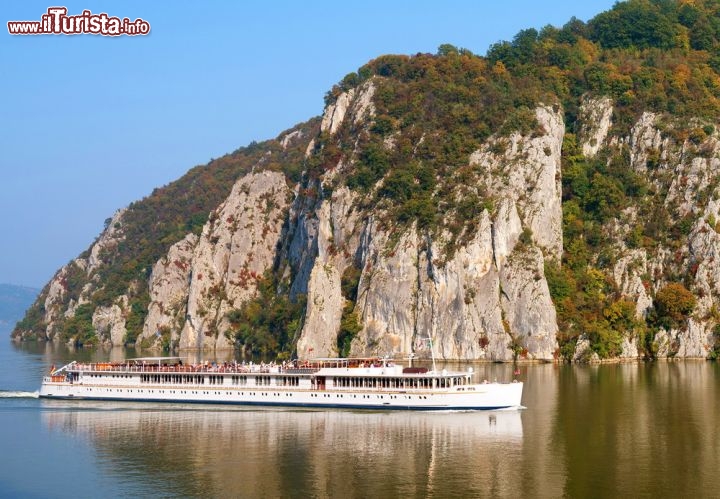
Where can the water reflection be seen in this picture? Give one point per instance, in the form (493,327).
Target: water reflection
(629,430)
(542,462)
(639,430)
(183,450)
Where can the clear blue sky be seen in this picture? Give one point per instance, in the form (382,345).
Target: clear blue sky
(89,124)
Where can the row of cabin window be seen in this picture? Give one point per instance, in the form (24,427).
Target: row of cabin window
(411,383)
(218,380)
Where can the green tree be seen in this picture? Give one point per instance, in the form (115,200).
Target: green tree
(79,328)
(349,328)
(635,23)
(268,323)
(673,304)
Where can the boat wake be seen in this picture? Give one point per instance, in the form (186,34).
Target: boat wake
(513,408)
(13,394)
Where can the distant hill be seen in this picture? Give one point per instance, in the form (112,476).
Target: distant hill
(14,301)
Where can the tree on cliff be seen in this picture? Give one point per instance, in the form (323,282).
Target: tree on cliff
(673,304)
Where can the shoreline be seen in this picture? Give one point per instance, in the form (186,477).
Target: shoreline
(224,353)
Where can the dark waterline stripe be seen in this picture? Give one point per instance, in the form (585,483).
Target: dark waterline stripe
(281,404)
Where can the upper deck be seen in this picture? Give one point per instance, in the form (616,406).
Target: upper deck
(336,367)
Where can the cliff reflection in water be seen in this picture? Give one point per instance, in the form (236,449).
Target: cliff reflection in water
(186,450)
(639,430)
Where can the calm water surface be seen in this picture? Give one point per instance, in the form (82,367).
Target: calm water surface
(635,430)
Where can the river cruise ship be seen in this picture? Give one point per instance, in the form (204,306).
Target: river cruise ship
(358,383)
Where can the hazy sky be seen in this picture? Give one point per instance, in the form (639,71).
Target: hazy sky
(89,124)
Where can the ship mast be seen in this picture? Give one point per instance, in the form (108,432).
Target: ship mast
(432,353)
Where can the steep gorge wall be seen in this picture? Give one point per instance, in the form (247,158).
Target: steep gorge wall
(487,299)
(683,172)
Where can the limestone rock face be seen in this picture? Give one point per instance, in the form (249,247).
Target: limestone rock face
(473,289)
(291,137)
(629,348)
(54,301)
(323,313)
(645,139)
(324,297)
(107,241)
(697,176)
(583,352)
(482,297)
(526,301)
(704,252)
(109,323)
(595,120)
(690,342)
(363,107)
(237,245)
(685,171)
(335,113)
(388,295)
(528,173)
(57,304)
(627,273)
(693,341)
(169,286)
(357,101)
(488,300)
(506,230)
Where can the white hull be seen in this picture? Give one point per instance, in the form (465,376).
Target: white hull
(493,396)
(393,390)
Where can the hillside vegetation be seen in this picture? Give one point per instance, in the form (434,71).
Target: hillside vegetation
(409,167)
(150,227)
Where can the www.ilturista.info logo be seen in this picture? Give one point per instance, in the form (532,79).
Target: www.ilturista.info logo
(57,22)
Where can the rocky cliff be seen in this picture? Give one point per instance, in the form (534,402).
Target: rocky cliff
(557,199)
(488,300)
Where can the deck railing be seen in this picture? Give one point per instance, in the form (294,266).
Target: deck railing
(176,368)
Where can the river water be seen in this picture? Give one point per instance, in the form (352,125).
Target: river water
(629,430)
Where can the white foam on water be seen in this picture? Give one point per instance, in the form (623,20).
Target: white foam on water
(13,394)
